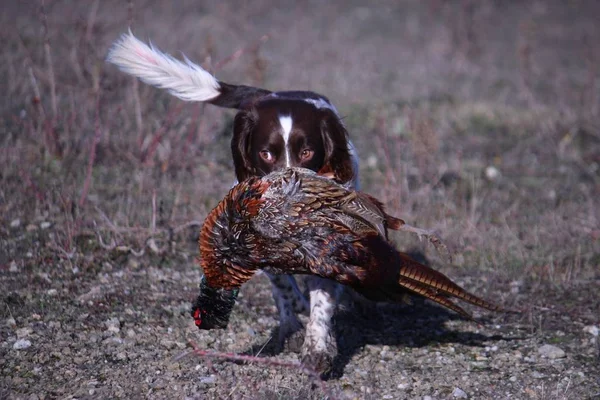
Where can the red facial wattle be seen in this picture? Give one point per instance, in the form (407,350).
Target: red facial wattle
(197,317)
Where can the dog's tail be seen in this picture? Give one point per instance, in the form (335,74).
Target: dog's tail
(186,80)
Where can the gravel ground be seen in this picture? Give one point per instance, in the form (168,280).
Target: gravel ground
(118,331)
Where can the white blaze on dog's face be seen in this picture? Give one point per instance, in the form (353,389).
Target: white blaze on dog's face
(286,126)
(287,134)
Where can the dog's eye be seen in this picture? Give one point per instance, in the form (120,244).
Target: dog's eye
(267,156)
(306,154)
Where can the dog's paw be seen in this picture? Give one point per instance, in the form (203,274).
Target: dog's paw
(321,362)
(293,343)
(288,329)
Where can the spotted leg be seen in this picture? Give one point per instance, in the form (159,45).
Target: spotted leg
(320,347)
(290,301)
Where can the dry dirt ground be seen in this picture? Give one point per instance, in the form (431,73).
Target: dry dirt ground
(476,118)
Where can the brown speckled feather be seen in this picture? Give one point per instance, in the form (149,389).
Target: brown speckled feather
(295,221)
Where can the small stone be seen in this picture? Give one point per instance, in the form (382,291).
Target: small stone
(10,322)
(15,223)
(517,354)
(23,332)
(13,267)
(592,330)
(52,292)
(169,344)
(79,360)
(458,393)
(512,378)
(550,351)
(208,380)
(372,161)
(54,324)
(111,341)
(21,344)
(113,325)
(45,225)
(492,173)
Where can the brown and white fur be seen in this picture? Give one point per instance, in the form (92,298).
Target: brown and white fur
(272,130)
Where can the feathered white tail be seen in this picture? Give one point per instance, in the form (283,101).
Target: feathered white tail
(188,81)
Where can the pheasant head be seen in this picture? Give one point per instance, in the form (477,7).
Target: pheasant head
(226,254)
(213,306)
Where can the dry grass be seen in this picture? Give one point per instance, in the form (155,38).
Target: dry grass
(480,121)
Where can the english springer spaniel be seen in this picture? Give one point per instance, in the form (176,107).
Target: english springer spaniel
(272,130)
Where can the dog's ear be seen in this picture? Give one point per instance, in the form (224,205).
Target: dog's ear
(337,154)
(243,125)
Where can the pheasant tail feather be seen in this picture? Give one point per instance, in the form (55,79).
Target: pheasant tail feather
(437,287)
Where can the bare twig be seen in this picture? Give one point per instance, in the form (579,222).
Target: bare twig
(139,122)
(114,246)
(237,54)
(29,184)
(153,223)
(135,87)
(130,13)
(118,230)
(37,96)
(433,238)
(593,99)
(149,243)
(105,246)
(62,251)
(200,128)
(92,157)
(113,227)
(48,56)
(71,223)
(259,360)
(160,133)
(187,225)
(524,53)
(91,21)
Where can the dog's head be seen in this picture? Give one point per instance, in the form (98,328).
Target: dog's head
(277,132)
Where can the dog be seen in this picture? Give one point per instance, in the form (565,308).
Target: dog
(271,131)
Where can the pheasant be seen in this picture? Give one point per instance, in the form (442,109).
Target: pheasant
(297,222)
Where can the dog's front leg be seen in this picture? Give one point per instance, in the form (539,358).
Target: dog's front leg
(320,347)
(289,301)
